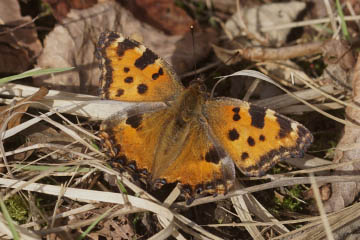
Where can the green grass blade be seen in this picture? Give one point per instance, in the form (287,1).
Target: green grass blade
(34,72)
(342,22)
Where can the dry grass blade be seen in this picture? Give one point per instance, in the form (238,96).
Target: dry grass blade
(76,104)
(98,196)
(245,216)
(24,233)
(307,23)
(321,209)
(282,182)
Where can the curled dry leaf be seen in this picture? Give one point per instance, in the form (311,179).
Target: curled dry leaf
(19,43)
(343,194)
(339,60)
(251,20)
(19,108)
(73,44)
(325,193)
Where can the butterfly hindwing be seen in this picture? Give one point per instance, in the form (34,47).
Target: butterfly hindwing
(256,138)
(132,72)
(200,164)
(131,136)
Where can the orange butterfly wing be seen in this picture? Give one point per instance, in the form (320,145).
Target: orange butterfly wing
(200,166)
(256,138)
(132,72)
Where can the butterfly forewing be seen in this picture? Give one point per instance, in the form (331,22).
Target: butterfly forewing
(131,72)
(256,138)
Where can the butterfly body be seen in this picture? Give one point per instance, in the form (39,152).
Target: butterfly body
(191,138)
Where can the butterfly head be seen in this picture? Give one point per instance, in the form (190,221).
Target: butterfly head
(198,86)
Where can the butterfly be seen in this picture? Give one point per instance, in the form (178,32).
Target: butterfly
(188,137)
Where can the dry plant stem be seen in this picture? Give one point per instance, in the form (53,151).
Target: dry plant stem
(282,81)
(307,23)
(88,221)
(312,230)
(20,26)
(283,53)
(352,12)
(257,223)
(274,184)
(331,15)
(321,209)
(317,169)
(92,195)
(262,213)
(244,214)
(327,95)
(50,146)
(285,100)
(72,212)
(181,221)
(189,226)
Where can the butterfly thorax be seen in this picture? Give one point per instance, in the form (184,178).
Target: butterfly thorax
(184,115)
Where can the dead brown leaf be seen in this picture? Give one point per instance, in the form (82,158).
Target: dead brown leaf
(249,21)
(163,14)
(339,59)
(20,108)
(325,193)
(343,194)
(73,44)
(19,43)
(60,8)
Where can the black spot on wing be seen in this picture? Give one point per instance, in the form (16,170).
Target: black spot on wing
(119,92)
(213,155)
(126,45)
(236,109)
(134,121)
(128,79)
(244,156)
(285,126)
(233,134)
(262,138)
(257,116)
(236,117)
(146,59)
(251,141)
(158,74)
(126,69)
(142,88)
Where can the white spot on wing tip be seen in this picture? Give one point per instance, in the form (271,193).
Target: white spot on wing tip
(294,126)
(120,39)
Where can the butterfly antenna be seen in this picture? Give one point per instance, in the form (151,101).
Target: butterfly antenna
(192,29)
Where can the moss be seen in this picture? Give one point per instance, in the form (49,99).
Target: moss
(290,201)
(17,208)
